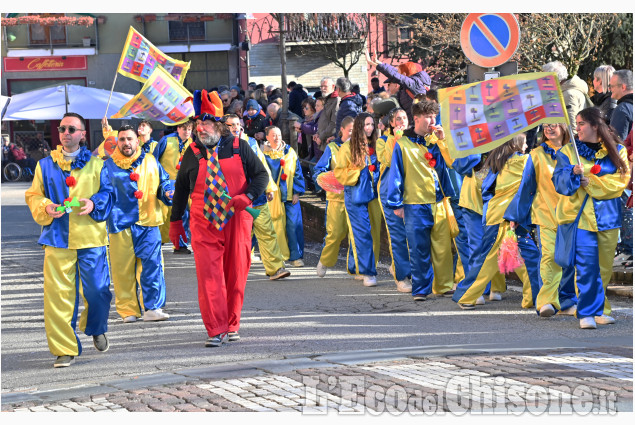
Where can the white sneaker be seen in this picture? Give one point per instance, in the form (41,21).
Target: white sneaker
(320,269)
(254,258)
(495,296)
(588,323)
(480,301)
(297,263)
(569,312)
(604,320)
(404,285)
(547,310)
(155,315)
(369,280)
(130,319)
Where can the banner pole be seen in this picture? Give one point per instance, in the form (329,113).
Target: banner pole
(575,147)
(110,96)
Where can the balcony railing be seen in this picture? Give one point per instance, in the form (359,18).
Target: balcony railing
(325,26)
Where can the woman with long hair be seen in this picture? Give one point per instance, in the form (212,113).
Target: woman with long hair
(602,97)
(357,169)
(592,188)
(395,226)
(534,204)
(335,216)
(505,166)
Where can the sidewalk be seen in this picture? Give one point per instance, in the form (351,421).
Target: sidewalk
(416,380)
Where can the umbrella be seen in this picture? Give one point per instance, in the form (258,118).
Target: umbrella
(51,103)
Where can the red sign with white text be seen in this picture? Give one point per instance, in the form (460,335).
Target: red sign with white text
(45,63)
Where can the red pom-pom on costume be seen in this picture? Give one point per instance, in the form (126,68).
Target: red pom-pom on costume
(70,181)
(283,177)
(134,177)
(282,162)
(428,156)
(372,168)
(178,166)
(433,163)
(596,169)
(371,151)
(138,194)
(68,200)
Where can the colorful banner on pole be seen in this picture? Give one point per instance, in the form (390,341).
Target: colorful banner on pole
(481,116)
(140,58)
(160,99)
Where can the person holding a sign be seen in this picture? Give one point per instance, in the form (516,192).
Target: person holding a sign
(286,213)
(357,169)
(505,166)
(71,197)
(534,204)
(140,183)
(222,176)
(589,215)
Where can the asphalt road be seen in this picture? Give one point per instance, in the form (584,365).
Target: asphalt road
(300,316)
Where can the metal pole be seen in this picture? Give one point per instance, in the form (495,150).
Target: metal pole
(575,148)
(110,96)
(66,97)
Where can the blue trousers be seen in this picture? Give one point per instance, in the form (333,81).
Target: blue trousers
(295,230)
(361,257)
(589,279)
(419,219)
(396,229)
(462,240)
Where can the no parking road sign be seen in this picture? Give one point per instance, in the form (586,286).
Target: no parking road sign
(490,39)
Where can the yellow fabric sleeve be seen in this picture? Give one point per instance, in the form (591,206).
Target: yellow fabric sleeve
(36,201)
(345,172)
(608,186)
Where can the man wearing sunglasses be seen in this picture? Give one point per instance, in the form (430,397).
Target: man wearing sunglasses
(140,183)
(74,239)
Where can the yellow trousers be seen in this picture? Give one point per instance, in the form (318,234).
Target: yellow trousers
(336,231)
(126,273)
(441,252)
(607,241)
(270,253)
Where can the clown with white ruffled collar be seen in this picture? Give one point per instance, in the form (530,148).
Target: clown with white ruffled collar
(285,207)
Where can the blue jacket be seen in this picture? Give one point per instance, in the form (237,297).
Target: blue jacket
(622,116)
(350,106)
(415,84)
(296,96)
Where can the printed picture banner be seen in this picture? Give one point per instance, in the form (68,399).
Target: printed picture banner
(481,116)
(140,58)
(160,99)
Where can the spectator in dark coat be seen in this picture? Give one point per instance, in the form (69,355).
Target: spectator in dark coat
(296,96)
(355,89)
(275,94)
(377,88)
(622,90)
(350,103)
(413,80)
(326,125)
(255,120)
(602,97)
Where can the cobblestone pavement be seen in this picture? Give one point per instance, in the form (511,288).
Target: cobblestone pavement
(564,381)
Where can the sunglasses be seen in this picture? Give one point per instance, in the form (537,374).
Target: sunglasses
(71,129)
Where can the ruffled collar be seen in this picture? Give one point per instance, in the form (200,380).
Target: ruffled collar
(549,149)
(429,139)
(274,154)
(125,162)
(590,154)
(70,164)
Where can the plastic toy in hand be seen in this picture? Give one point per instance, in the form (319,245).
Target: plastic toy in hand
(328,182)
(509,258)
(68,204)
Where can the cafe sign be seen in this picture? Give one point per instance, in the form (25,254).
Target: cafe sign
(45,63)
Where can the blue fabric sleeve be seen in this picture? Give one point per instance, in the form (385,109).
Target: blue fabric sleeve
(465,166)
(165,185)
(565,182)
(160,147)
(519,209)
(412,84)
(395,180)
(298,179)
(104,198)
(324,163)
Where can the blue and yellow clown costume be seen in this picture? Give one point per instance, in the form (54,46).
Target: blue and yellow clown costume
(74,246)
(419,185)
(107,147)
(139,184)
(263,229)
(362,218)
(286,170)
(169,151)
(498,190)
(535,203)
(395,226)
(471,205)
(335,215)
(600,221)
